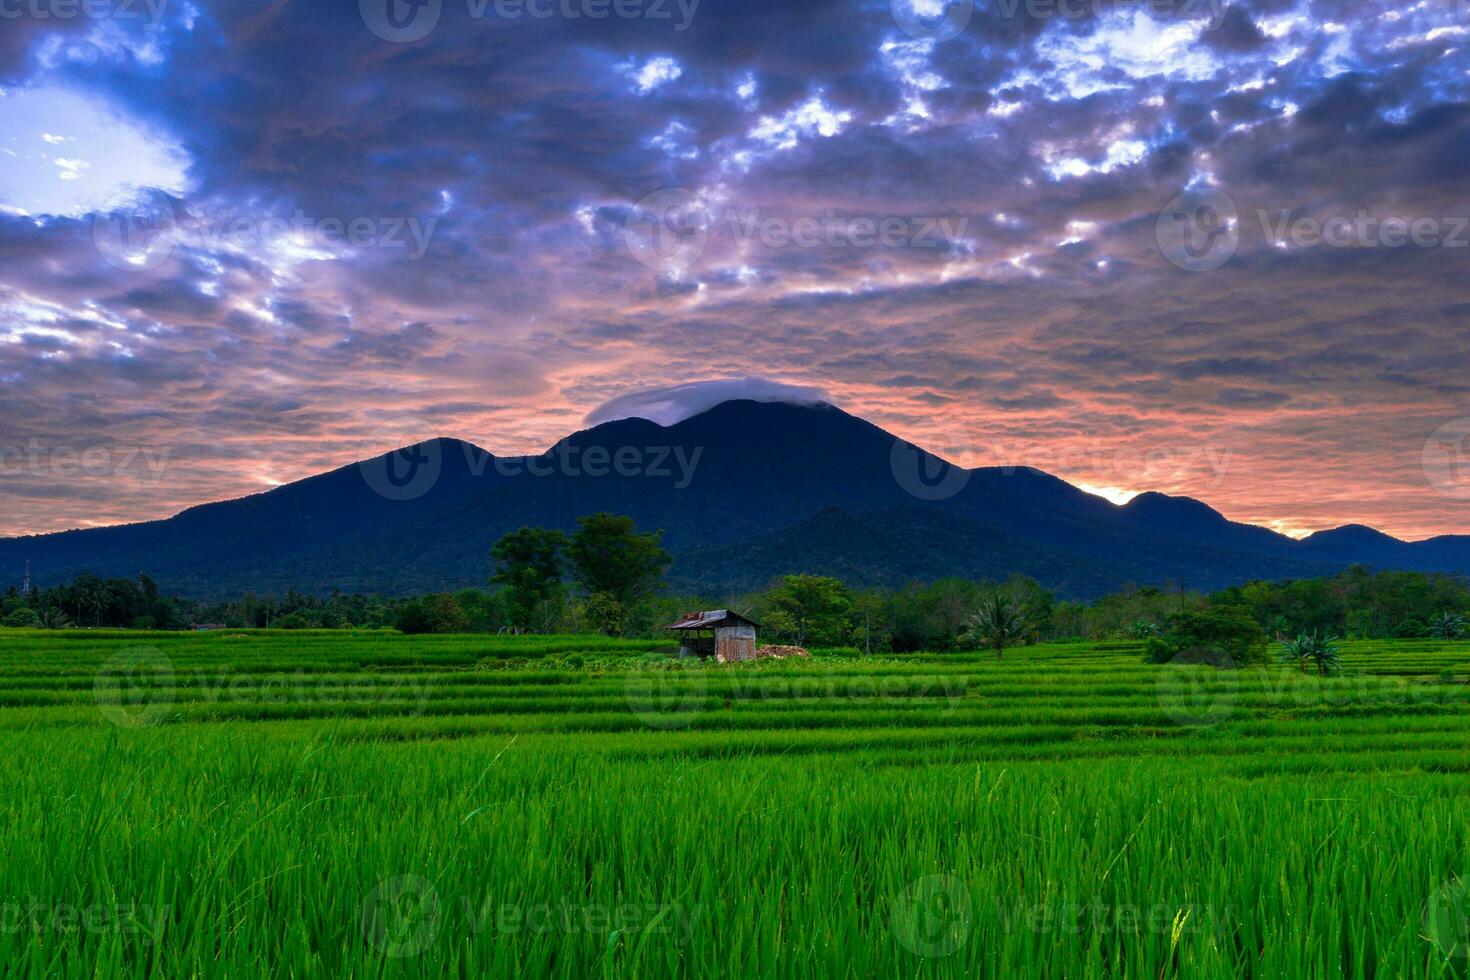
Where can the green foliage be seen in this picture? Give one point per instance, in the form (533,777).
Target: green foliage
(1227,630)
(1142,629)
(530,565)
(1447,626)
(22,618)
(1354,602)
(432,614)
(292,621)
(528,568)
(867,625)
(610,556)
(809,609)
(529,788)
(1409,629)
(1314,651)
(605,614)
(997,624)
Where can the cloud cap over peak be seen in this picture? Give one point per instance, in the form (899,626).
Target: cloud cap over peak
(673,404)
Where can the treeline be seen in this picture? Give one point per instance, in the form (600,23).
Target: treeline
(608,582)
(89,601)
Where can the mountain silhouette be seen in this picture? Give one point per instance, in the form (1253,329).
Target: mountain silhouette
(743,492)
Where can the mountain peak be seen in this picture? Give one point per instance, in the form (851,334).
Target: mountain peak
(1165,507)
(1353,534)
(676,403)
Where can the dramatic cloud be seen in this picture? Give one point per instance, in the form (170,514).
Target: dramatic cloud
(1219,251)
(674,404)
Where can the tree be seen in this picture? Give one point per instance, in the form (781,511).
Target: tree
(294,620)
(997,624)
(22,618)
(55,619)
(431,614)
(1313,650)
(1035,605)
(609,555)
(528,567)
(605,613)
(1447,626)
(866,616)
(810,607)
(1227,630)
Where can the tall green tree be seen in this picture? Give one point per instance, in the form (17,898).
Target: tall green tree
(869,630)
(528,568)
(617,566)
(810,607)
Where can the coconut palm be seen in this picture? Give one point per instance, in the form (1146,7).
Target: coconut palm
(997,624)
(54,619)
(1447,626)
(1311,650)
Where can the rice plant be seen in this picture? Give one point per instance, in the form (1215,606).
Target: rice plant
(329,804)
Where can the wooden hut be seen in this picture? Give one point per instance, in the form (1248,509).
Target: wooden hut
(720,633)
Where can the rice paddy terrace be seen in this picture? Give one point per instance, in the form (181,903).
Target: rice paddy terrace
(330,804)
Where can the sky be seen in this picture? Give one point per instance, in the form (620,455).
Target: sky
(1208,249)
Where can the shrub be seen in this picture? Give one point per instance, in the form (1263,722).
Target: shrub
(1229,630)
(23,618)
(293,621)
(1309,650)
(1447,626)
(431,614)
(1411,629)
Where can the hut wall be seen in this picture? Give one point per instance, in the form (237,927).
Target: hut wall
(734,643)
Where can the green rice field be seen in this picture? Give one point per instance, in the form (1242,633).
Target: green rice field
(319,804)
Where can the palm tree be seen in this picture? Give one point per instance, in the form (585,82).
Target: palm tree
(1447,626)
(1278,628)
(1142,629)
(997,624)
(1312,650)
(54,619)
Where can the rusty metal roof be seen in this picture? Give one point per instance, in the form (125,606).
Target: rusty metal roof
(711,618)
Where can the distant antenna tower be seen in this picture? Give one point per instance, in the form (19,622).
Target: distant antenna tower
(25,587)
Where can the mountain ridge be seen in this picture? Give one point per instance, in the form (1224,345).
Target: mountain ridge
(727,486)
